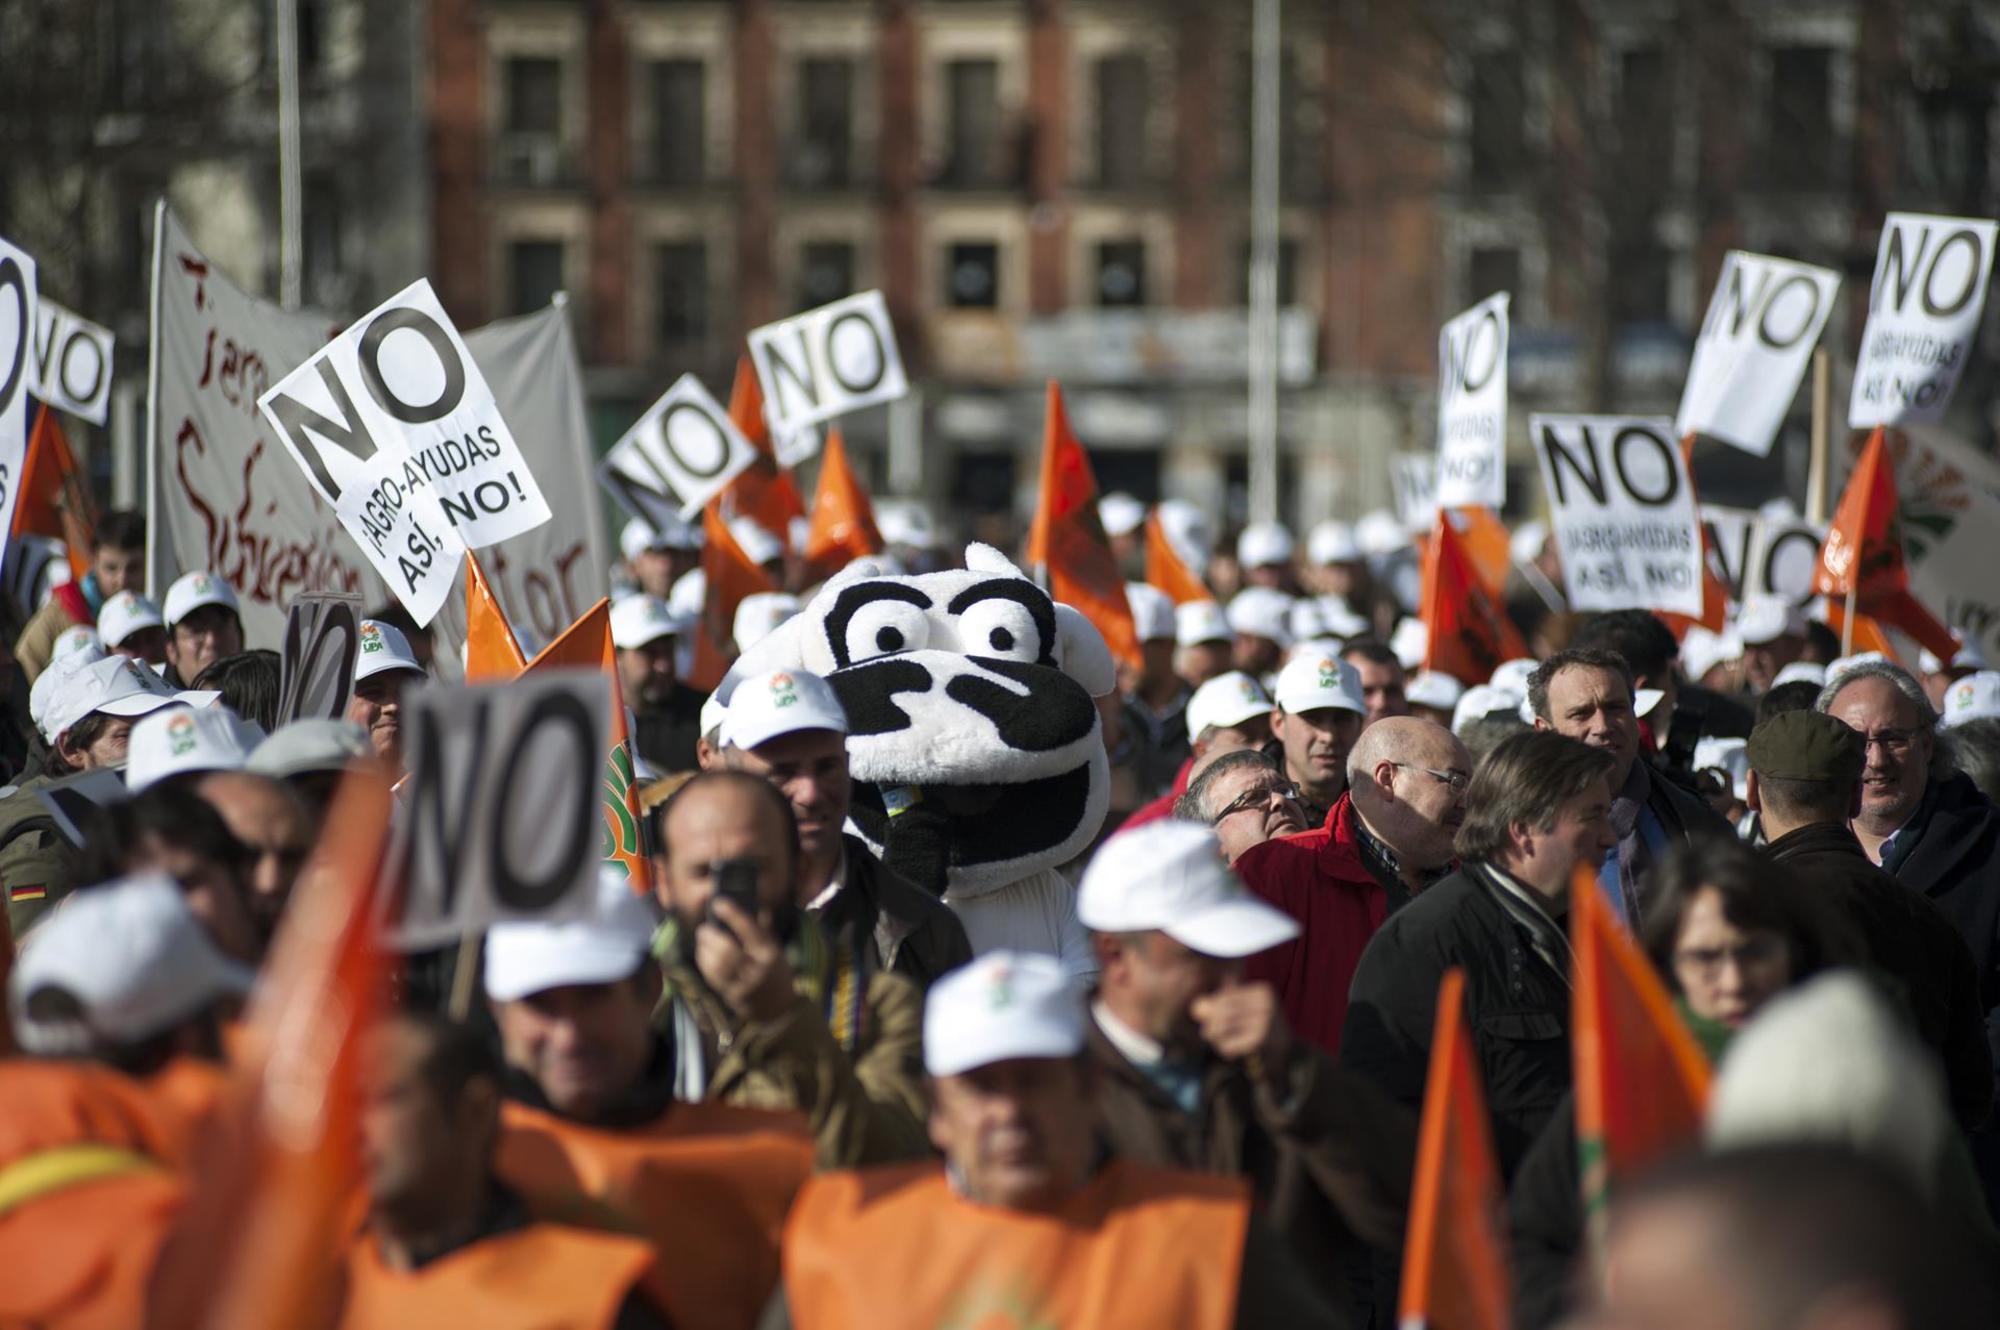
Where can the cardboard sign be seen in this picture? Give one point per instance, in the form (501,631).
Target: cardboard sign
(1472,407)
(17,335)
(827,362)
(503,813)
(322,642)
(395,426)
(685,446)
(72,363)
(1923,312)
(1413,479)
(1623,512)
(1755,342)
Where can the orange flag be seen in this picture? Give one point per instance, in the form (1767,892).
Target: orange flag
(764,491)
(1166,569)
(1867,634)
(843,520)
(1863,553)
(730,576)
(491,651)
(55,494)
(272,1196)
(1067,545)
(1641,1080)
(1469,632)
(1455,1258)
(586,645)
(1483,536)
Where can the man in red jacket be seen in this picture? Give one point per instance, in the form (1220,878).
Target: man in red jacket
(1384,840)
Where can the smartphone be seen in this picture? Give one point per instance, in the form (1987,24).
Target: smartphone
(736,882)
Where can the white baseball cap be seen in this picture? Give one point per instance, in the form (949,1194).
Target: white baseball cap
(713,712)
(1975,697)
(641,535)
(605,946)
(1331,542)
(77,639)
(1312,683)
(1411,642)
(1730,755)
(1702,650)
(1153,617)
(637,620)
(125,614)
(383,648)
(117,686)
(1434,689)
(1969,656)
(779,702)
(1188,530)
(1483,700)
(759,614)
(1002,1006)
(1226,700)
(132,953)
(50,680)
(1511,676)
(1120,514)
(1199,621)
(1169,877)
(758,545)
(1764,619)
(1259,611)
(191,591)
(174,743)
(1305,620)
(310,745)
(1802,671)
(1380,533)
(1263,544)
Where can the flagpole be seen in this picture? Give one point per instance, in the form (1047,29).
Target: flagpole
(1263,341)
(1847,619)
(1822,426)
(291,251)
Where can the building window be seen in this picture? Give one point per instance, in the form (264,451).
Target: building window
(534,273)
(972,275)
(1121,274)
(679,121)
(1489,271)
(1288,272)
(534,95)
(681,289)
(1498,106)
(1798,120)
(1121,121)
(823,142)
(972,123)
(826,272)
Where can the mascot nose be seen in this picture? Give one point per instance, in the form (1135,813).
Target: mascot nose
(867,693)
(1055,710)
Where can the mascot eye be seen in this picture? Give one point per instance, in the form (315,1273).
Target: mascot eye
(1001,628)
(885,627)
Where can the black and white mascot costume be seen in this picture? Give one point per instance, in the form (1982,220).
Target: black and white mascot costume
(973,736)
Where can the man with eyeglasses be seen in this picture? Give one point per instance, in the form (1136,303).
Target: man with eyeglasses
(1388,837)
(1245,798)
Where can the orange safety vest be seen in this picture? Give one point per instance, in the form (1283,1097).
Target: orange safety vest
(1137,1249)
(542,1277)
(707,1184)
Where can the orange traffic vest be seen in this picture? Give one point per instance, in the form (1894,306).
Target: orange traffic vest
(706,1184)
(542,1277)
(1138,1249)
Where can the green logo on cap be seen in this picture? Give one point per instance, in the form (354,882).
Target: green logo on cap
(784,692)
(180,734)
(371,638)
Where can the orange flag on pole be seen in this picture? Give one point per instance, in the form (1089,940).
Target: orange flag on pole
(1067,545)
(491,650)
(1166,569)
(586,645)
(1641,1079)
(1469,633)
(843,520)
(1866,635)
(1455,1258)
(1862,559)
(1483,536)
(261,1241)
(729,577)
(764,491)
(55,494)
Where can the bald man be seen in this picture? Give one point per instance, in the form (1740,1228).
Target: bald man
(1387,838)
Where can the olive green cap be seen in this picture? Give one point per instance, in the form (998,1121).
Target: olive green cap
(1806,745)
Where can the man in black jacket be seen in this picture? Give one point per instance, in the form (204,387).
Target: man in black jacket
(1805,782)
(1588,694)
(1539,807)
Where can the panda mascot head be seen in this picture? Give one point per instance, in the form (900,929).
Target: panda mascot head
(973,735)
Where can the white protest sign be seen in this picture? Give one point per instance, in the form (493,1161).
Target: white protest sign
(1623,512)
(322,646)
(1413,480)
(1730,532)
(799,447)
(685,446)
(17,332)
(827,362)
(504,815)
(1923,312)
(1472,407)
(1783,553)
(72,363)
(1755,342)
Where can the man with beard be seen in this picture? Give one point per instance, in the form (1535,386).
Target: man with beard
(646,634)
(1245,798)
(383,668)
(1318,715)
(1389,837)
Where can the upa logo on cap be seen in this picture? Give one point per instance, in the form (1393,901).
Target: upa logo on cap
(180,734)
(371,637)
(784,692)
(1329,672)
